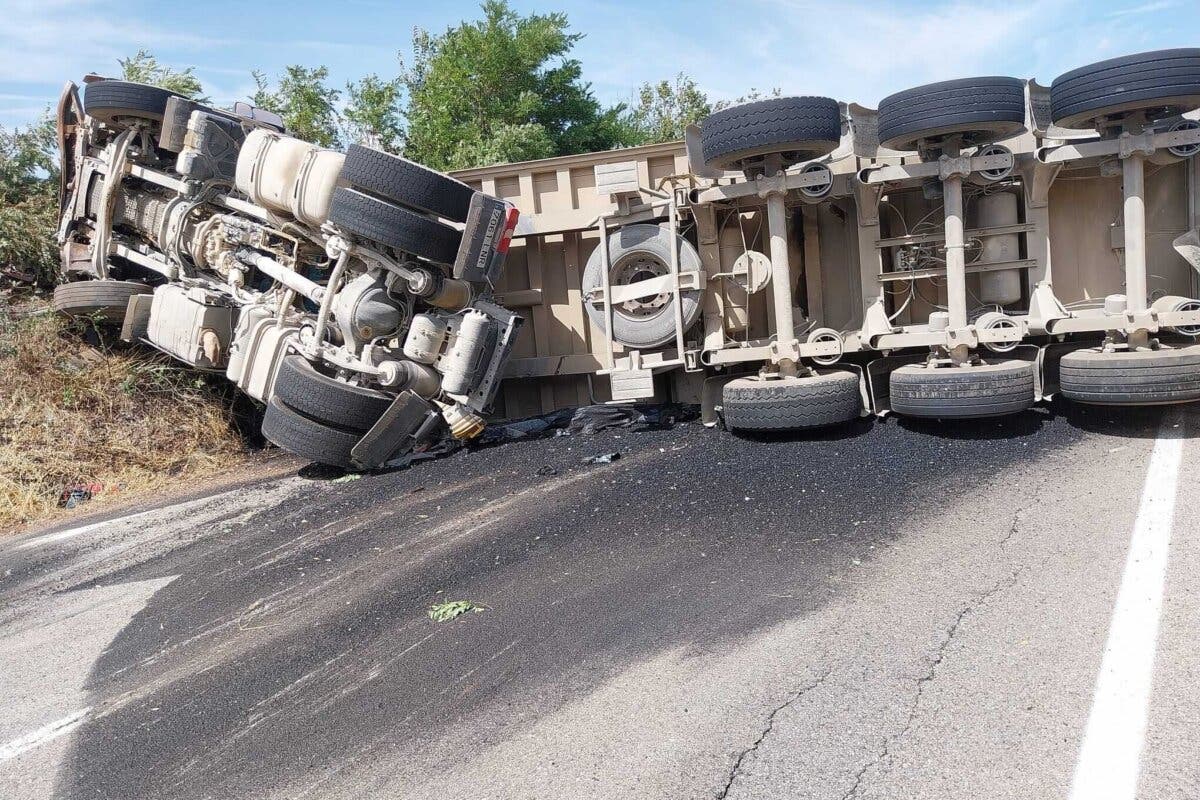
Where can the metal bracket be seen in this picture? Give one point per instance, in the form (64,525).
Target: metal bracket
(762,187)
(768,185)
(646,288)
(944,167)
(1124,146)
(953,167)
(1129,144)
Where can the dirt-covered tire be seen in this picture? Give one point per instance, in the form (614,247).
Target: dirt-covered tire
(978,109)
(1137,378)
(302,388)
(1163,82)
(406,183)
(389,224)
(105,301)
(631,250)
(986,390)
(789,404)
(799,128)
(308,438)
(108,101)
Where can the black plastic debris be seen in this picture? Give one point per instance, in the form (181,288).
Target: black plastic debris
(73,496)
(587,420)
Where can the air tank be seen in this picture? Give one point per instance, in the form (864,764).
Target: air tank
(462,363)
(1001,287)
(425,337)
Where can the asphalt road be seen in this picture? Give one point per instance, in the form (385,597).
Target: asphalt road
(893,611)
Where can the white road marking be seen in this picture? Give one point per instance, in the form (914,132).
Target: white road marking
(1110,758)
(61,536)
(43,734)
(70,533)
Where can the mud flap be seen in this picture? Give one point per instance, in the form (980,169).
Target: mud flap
(485,240)
(407,422)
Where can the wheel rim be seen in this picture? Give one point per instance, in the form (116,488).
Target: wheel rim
(632,268)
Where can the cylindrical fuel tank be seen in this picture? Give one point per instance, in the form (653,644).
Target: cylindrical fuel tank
(289,175)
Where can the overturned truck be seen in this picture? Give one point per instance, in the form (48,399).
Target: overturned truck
(351,293)
(965,250)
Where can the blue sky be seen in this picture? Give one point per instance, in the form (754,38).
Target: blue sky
(857,50)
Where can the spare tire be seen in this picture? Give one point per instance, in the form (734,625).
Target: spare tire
(1163,82)
(1132,378)
(406,183)
(791,403)
(389,224)
(637,252)
(983,390)
(108,101)
(798,128)
(300,386)
(101,300)
(978,109)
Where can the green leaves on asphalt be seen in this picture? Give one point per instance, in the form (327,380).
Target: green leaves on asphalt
(444,612)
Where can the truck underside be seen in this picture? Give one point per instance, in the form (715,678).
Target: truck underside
(967,250)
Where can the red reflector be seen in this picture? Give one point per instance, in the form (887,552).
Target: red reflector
(510,225)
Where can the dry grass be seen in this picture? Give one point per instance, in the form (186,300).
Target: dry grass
(73,412)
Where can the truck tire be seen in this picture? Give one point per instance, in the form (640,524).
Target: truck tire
(634,253)
(799,128)
(986,390)
(108,101)
(1138,378)
(101,300)
(308,438)
(406,183)
(789,404)
(389,224)
(301,387)
(978,109)
(1164,82)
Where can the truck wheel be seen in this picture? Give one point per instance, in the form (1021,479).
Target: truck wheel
(299,386)
(102,300)
(308,438)
(1164,83)
(636,253)
(1137,378)
(389,224)
(985,390)
(978,109)
(799,128)
(788,404)
(406,182)
(108,101)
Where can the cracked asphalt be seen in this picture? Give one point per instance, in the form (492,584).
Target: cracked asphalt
(888,611)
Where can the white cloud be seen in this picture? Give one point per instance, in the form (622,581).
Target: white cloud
(1147,8)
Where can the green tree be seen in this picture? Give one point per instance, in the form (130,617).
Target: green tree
(144,68)
(663,110)
(501,89)
(308,106)
(29,202)
(749,97)
(373,114)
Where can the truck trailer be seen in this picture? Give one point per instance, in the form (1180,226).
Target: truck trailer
(968,249)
